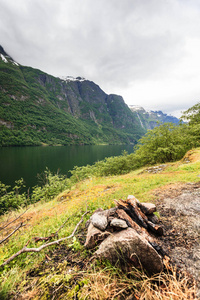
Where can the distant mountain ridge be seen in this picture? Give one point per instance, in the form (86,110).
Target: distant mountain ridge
(37,108)
(150,119)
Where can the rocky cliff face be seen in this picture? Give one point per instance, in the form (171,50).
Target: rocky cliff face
(150,119)
(40,108)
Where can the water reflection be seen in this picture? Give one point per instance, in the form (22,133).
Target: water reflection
(27,162)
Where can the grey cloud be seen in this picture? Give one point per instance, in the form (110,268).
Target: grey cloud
(115,43)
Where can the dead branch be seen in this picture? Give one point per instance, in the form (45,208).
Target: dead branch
(7,237)
(38,238)
(25,249)
(1,228)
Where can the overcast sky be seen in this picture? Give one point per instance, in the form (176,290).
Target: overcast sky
(147,51)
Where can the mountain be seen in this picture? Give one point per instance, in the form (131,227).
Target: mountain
(37,108)
(150,119)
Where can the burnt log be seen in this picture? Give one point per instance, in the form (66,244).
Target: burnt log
(153,218)
(130,206)
(147,208)
(133,211)
(124,216)
(155,228)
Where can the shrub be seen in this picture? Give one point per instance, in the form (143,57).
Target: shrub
(52,185)
(11,199)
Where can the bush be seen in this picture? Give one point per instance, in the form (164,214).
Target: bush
(11,199)
(52,185)
(168,142)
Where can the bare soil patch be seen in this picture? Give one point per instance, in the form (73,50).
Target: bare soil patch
(179,208)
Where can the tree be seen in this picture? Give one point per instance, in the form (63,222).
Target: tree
(167,142)
(192,115)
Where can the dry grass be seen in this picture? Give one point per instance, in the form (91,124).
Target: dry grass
(135,285)
(193,155)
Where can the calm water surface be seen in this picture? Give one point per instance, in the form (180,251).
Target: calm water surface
(27,162)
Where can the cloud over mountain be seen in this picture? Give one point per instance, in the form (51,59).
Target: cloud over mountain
(147,51)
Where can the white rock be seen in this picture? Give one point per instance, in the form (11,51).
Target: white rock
(99,220)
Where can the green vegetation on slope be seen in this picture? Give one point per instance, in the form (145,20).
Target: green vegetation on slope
(37,108)
(47,273)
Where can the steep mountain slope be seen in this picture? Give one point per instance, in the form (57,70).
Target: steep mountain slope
(38,108)
(150,119)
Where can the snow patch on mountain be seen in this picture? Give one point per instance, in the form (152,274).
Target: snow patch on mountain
(71,78)
(8,59)
(15,63)
(3,58)
(150,119)
(136,107)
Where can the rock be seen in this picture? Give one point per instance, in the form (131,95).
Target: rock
(110,212)
(127,245)
(110,219)
(147,208)
(99,220)
(118,223)
(94,236)
(87,223)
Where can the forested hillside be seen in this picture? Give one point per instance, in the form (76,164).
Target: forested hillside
(37,108)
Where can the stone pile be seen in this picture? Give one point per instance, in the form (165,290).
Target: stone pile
(155,169)
(124,235)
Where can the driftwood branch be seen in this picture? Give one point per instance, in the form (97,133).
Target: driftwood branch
(1,228)
(7,237)
(25,249)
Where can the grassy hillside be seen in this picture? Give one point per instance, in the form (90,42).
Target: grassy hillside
(64,271)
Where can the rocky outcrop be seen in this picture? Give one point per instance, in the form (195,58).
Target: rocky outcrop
(151,119)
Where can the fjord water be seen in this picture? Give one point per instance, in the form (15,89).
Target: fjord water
(27,162)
